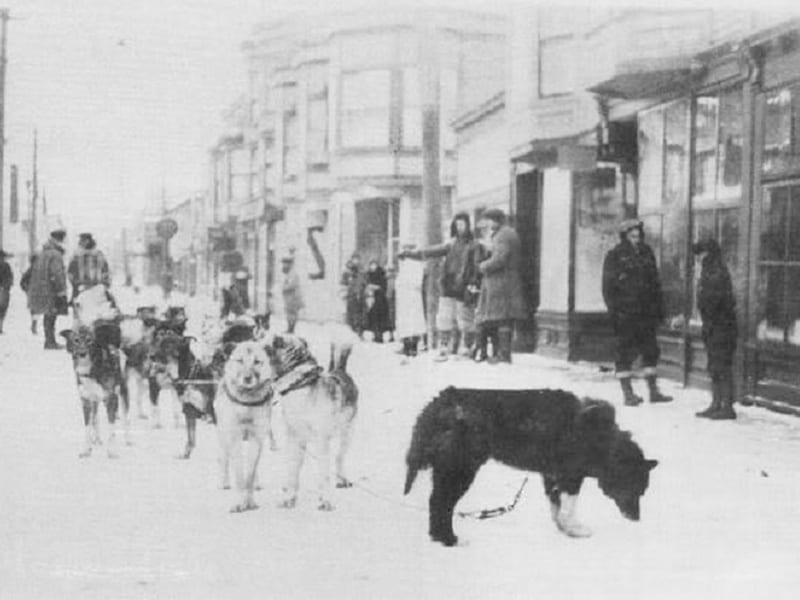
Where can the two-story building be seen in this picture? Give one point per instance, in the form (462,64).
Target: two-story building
(332,148)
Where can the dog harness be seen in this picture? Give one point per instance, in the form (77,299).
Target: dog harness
(236,400)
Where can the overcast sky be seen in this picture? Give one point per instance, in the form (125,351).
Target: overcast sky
(127,95)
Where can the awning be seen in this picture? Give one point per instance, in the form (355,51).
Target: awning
(648,78)
(565,153)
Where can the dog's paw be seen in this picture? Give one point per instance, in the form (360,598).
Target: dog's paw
(574,529)
(343,483)
(288,503)
(244,506)
(325,505)
(85,453)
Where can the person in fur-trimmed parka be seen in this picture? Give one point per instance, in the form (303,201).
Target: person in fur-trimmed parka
(632,293)
(717,308)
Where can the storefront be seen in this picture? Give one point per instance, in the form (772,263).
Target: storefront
(722,160)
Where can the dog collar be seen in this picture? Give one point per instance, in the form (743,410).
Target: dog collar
(236,400)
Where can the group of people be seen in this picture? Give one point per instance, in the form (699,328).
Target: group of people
(465,293)
(633,295)
(45,280)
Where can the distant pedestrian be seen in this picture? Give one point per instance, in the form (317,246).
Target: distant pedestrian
(355,282)
(391,300)
(378,306)
(88,266)
(25,284)
(632,293)
(473,279)
(47,294)
(6,281)
(455,320)
(717,307)
(235,300)
(501,303)
(410,324)
(292,292)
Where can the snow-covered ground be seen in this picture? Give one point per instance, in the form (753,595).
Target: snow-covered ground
(721,518)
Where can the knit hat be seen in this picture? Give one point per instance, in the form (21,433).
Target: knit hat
(629,224)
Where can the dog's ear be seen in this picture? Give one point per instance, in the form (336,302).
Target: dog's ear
(650,464)
(67,335)
(228,348)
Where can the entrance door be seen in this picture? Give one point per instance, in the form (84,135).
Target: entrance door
(377,230)
(527,208)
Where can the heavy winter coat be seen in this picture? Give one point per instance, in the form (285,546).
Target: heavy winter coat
(501,295)
(6,281)
(355,282)
(48,280)
(87,268)
(378,312)
(456,252)
(717,307)
(408,287)
(630,282)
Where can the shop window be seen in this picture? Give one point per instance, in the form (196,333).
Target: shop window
(663,197)
(782,132)
(317,99)
(366,108)
(779,266)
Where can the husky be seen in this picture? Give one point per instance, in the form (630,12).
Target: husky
(318,407)
(243,412)
(548,431)
(96,363)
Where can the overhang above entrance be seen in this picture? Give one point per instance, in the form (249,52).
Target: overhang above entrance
(648,78)
(565,153)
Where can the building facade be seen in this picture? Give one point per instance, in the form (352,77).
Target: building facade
(686,119)
(328,160)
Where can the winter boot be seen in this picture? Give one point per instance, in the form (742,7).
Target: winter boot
(1,324)
(725,410)
(631,399)
(714,406)
(50,342)
(34,329)
(444,346)
(503,352)
(655,394)
(479,348)
(455,342)
(469,344)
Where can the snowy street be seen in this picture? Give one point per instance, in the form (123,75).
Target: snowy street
(721,518)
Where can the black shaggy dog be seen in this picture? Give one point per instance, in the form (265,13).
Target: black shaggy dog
(550,431)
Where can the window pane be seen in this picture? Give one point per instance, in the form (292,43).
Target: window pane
(317,127)
(792,309)
(705,226)
(673,260)
(705,150)
(773,225)
(556,66)
(793,250)
(365,129)
(676,135)
(366,89)
(412,128)
(778,131)
(771,326)
(731,140)
(651,160)
(729,238)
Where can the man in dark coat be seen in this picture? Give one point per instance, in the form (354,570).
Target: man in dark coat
(378,306)
(47,294)
(717,308)
(501,301)
(25,284)
(355,283)
(632,293)
(235,300)
(454,318)
(6,281)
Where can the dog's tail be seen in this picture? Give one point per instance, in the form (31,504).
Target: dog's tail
(340,353)
(419,451)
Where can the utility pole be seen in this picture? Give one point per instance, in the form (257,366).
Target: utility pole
(3,33)
(34,220)
(429,91)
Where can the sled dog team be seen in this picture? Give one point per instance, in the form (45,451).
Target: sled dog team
(245,370)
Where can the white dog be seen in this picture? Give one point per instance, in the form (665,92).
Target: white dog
(318,407)
(243,407)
